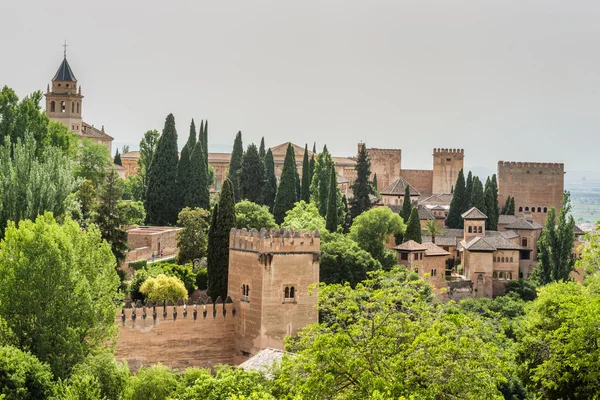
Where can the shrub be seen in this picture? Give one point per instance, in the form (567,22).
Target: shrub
(202,279)
(138,264)
(23,376)
(164,288)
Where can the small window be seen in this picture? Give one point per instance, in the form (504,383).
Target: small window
(539,209)
(59,85)
(480,229)
(77,107)
(470,230)
(545,209)
(63,106)
(520,209)
(67,85)
(501,276)
(511,259)
(416,256)
(524,242)
(286,293)
(495,275)
(494,258)
(52,106)
(404,256)
(72,106)
(526,209)
(292,293)
(434,272)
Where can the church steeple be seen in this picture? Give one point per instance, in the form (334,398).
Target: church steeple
(64,72)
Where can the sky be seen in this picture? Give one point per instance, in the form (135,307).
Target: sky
(513,80)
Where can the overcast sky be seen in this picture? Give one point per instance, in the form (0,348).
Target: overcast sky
(505,80)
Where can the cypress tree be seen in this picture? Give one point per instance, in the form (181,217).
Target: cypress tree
(406,205)
(413,227)
(298,183)
(270,185)
(375,182)
(117,159)
(468,193)
(348,219)
(198,194)
(162,195)
(331,222)
(362,187)
(191,142)
(261,150)
(205,147)
(110,218)
(454,219)
(252,175)
(212,255)
(311,166)
(478,196)
(184,174)
(319,187)
(286,192)
(491,223)
(305,177)
(511,207)
(495,205)
(218,251)
(235,165)
(506,206)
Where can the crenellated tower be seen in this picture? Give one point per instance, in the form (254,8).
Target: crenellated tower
(447,163)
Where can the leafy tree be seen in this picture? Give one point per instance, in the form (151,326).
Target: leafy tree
(23,376)
(192,238)
(362,187)
(478,197)
(342,260)
(253,216)
(147,149)
(331,223)
(73,272)
(269,190)
(110,376)
(235,164)
(134,188)
(524,288)
(413,228)
(184,175)
(198,194)
(304,217)
(347,217)
(164,288)
(191,141)
(459,197)
(252,175)
(373,228)
(218,242)
(154,383)
(468,193)
(511,208)
(110,218)
(86,197)
(133,212)
(556,245)
(92,162)
(117,159)
(31,185)
(319,188)
(161,195)
(60,136)
(558,342)
(286,192)
(261,150)
(432,229)
(305,176)
(125,149)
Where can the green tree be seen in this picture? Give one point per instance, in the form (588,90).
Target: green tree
(252,175)
(331,222)
(192,239)
(432,229)
(319,187)
(362,187)
(110,218)
(110,376)
(86,197)
(413,228)
(270,186)
(347,217)
(478,197)
(286,192)
(253,216)
(305,176)
(191,141)
(23,376)
(164,288)
(304,217)
(468,193)
(134,188)
(261,150)
(198,194)
(373,228)
(154,383)
(218,242)
(511,208)
(161,195)
(92,162)
(342,260)
(184,174)
(491,205)
(495,205)
(406,204)
(375,183)
(235,164)
(506,206)
(60,136)
(147,149)
(133,212)
(117,159)
(454,219)
(73,272)
(205,152)
(556,245)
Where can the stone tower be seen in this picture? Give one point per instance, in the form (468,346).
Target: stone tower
(447,163)
(270,279)
(64,102)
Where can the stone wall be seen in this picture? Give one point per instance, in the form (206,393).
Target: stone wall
(447,163)
(537,186)
(421,179)
(386,163)
(155,238)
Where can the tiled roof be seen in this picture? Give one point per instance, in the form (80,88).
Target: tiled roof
(434,250)
(263,360)
(500,242)
(219,157)
(509,234)
(425,213)
(281,150)
(437,200)
(477,244)
(411,245)
(507,219)
(131,155)
(473,213)
(398,187)
(524,224)
(448,237)
(64,72)
(90,131)
(492,241)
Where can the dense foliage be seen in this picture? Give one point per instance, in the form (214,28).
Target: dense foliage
(192,239)
(286,192)
(362,187)
(253,216)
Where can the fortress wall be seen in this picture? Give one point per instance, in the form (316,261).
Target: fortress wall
(447,163)
(421,179)
(386,163)
(179,341)
(532,185)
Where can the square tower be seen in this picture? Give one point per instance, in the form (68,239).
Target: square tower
(474,223)
(64,103)
(272,281)
(447,163)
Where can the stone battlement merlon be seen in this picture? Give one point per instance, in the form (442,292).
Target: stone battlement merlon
(275,241)
(531,167)
(438,151)
(156,312)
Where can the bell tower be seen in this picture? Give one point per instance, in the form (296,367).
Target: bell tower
(64,102)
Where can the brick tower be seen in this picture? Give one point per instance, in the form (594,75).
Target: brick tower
(447,163)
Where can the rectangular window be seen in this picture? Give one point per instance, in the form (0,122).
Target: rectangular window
(524,242)
(416,256)
(404,256)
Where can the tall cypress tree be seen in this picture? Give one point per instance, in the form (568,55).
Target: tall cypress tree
(218,251)
(235,165)
(184,174)
(375,182)
(331,222)
(252,175)
(305,177)
(198,194)
(468,193)
(117,159)
(319,187)
(311,165)
(191,142)
(506,206)
(511,207)
(362,188)
(270,185)
(413,227)
(261,150)
(491,223)
(205,147)
(478,196)
(348,218)
(454,219)
(406,204)
(495,204)
(110,218)
(286,192)
(162,195)
(298,183)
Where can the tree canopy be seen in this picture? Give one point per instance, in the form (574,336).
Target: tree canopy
(252,175)
(304,217)
(362,187)
(253,216)
(192,239)
(286,192)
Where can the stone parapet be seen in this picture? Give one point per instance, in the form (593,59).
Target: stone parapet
(275,241)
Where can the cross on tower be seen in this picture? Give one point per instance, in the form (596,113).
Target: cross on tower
(65,46)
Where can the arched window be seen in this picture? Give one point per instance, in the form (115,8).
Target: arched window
(520,209)
(509,276)
(511,259)
(77,107)
(243,290)
(292,292)
(501,275)
(532,209)
(72,106)
(480,229)
(495,275)
(52,106)
(526,208)
(539,209)
(63,106)
(502,259)
(286,293)
(494,258)
(470,230)
(545,209)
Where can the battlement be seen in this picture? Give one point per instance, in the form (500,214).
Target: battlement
(448,151)
(274,241)
(140,315)
(530,167)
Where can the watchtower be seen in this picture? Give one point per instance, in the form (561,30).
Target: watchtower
(447,163)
